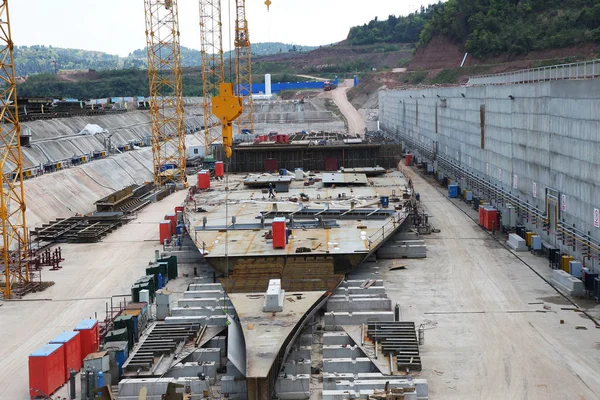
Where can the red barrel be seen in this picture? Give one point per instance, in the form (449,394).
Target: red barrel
(173,219)
(165,231)
(408,159)
(219,169)
(203,180)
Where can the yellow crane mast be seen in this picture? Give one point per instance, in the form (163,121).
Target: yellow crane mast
(213,70)
(166,93)
(243,67)
(12,203)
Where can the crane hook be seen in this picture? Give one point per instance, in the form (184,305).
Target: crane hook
(268,3)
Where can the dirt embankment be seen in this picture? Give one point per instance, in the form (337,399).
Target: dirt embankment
(443,53)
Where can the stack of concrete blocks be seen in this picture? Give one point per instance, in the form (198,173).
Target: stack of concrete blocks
(218,342)
(350,365)
(234,383)
(355,303)
(359,302)
(204,303)
(516,242)
(393,249)
(274,297)
(358,385)
(129,389)
(293,387)
(182,370)
(567,283)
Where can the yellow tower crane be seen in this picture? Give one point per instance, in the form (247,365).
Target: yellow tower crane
(12,203)
(166,93)
(213,70)
(243,68)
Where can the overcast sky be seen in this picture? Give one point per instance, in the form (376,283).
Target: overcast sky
(117,26)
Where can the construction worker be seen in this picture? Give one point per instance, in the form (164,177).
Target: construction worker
(271,193)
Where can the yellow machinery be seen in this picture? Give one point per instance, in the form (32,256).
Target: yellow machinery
(227,107)
(213,72)
(12,202)
(243,68)
(166,93)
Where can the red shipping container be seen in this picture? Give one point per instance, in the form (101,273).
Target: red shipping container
(164,230)
(173,219)
(203,180)
(279,233)
(71,342)
(90,336)
(331,163)
(271,164)
(408,159)
(46,370)
(219,169)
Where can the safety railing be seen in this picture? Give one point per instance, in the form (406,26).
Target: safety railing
(580,70)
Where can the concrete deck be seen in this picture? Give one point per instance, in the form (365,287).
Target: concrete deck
(493,327)
(91,274)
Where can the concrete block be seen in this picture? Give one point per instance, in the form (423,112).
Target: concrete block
(357,282)
(300,353)
(357,318)
(392,251)
(332,338)
(293,386)
(274,297)
(342,351)
(205,302)
(218,342)
(294,367)
(567,283)
(194,287)
(231,385)
(358,290)
(516,242)
(200,311)
(208,368)
(129,389)
(351,303)
(205,355)
(213,320)
(203,294)
(360,364)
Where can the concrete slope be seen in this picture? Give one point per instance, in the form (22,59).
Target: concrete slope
(64,193)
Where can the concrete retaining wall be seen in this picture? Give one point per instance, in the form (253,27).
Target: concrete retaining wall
(542,133)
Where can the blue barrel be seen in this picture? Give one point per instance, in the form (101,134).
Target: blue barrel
(160,281)
(453,191)
(385,201)
(418,195)
(179,229)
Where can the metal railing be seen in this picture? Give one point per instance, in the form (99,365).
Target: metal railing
(580,70)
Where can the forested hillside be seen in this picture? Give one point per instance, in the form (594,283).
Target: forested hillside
(491,27)
(40,59)
(394,29)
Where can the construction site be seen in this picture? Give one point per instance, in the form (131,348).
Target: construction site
(246,247)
